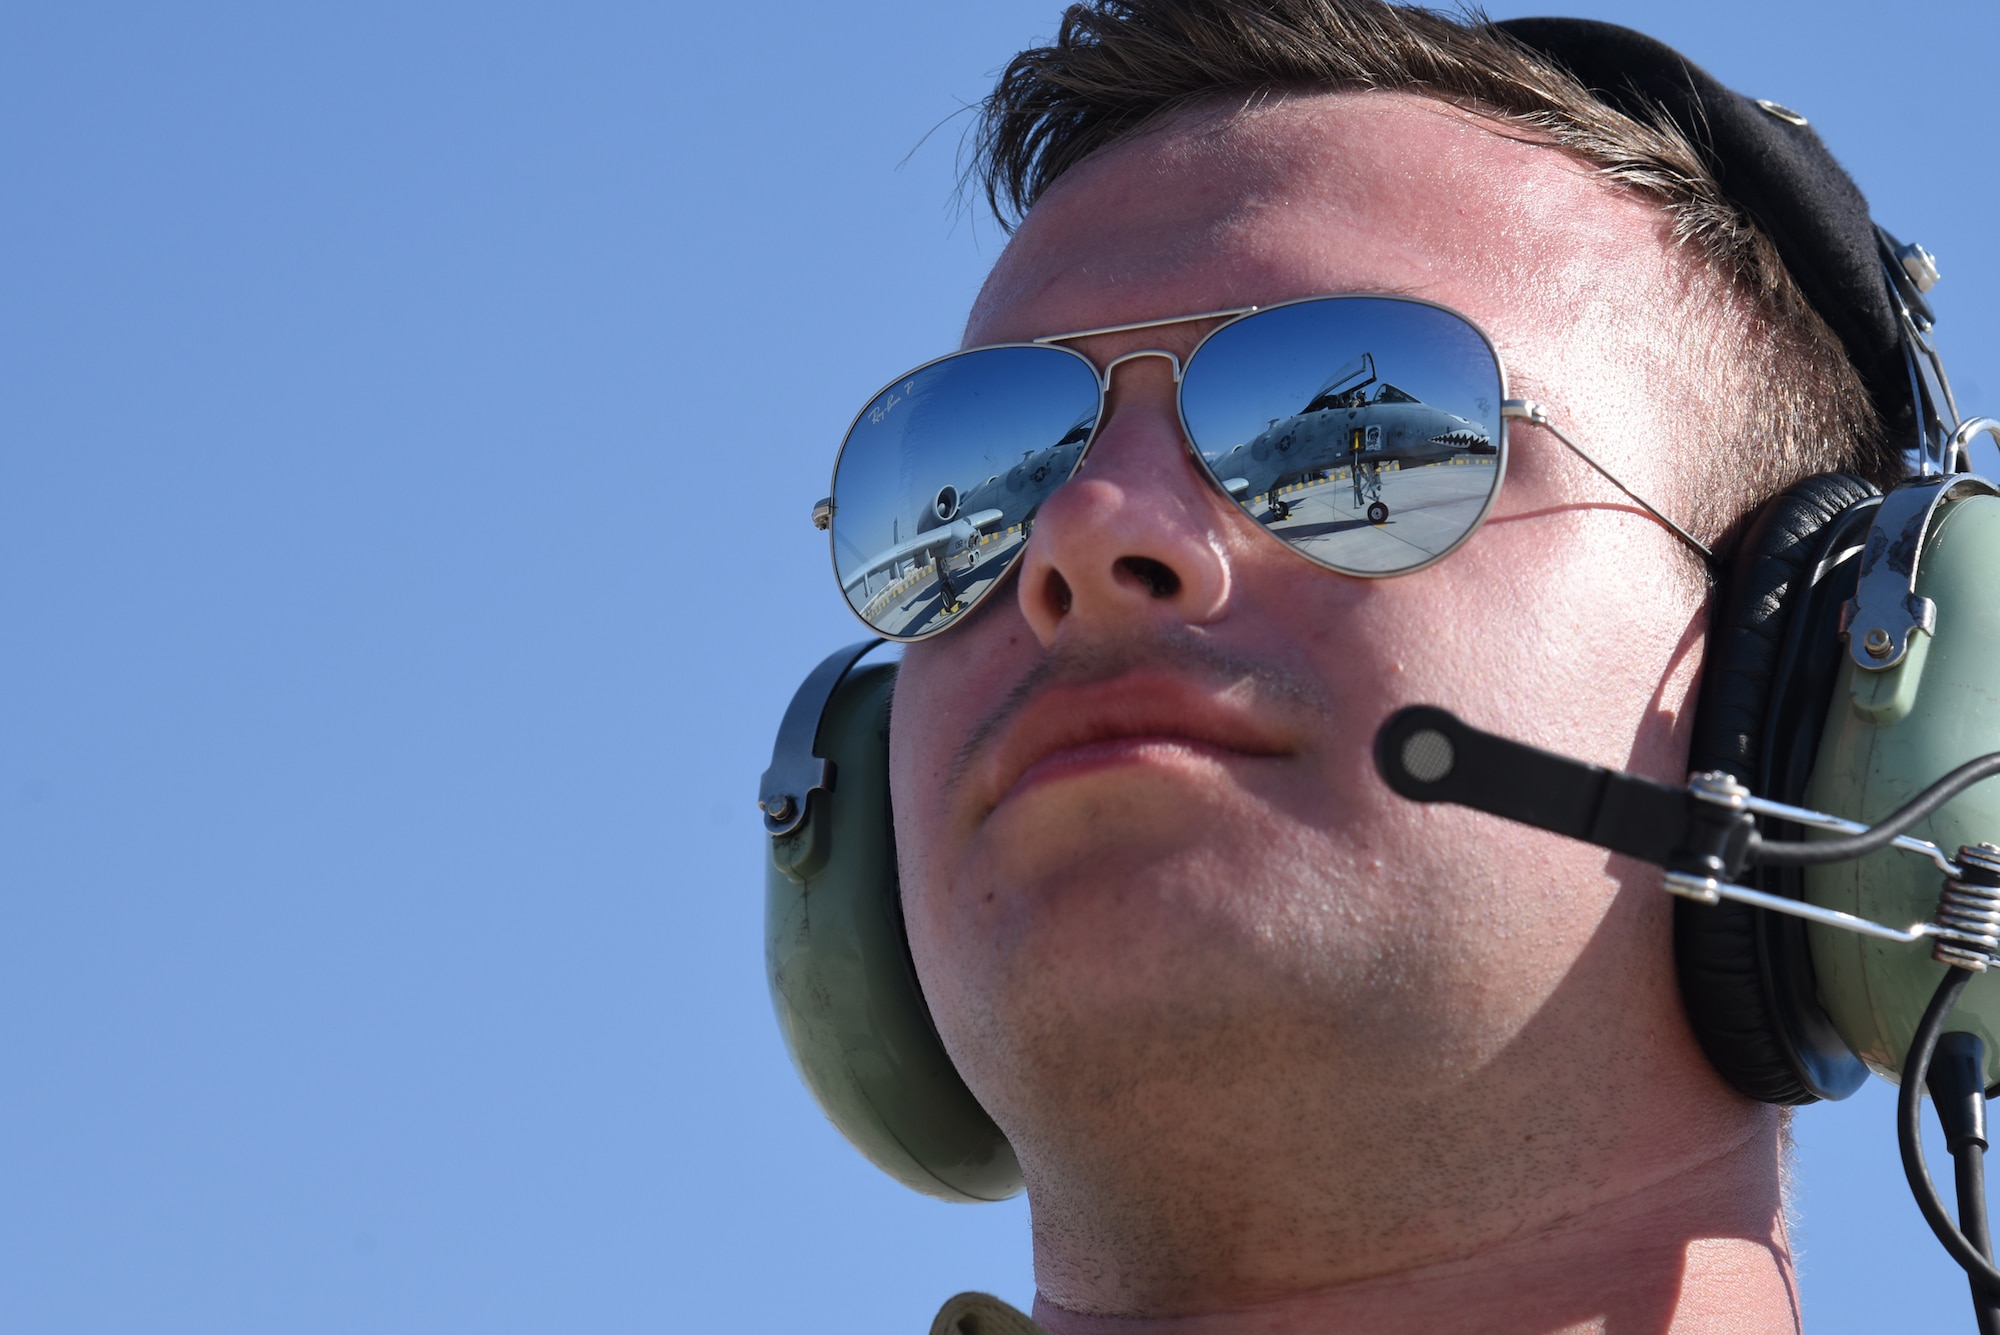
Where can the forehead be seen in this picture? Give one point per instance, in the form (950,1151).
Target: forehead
(1296,195)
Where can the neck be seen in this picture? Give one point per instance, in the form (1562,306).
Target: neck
(1697,1249)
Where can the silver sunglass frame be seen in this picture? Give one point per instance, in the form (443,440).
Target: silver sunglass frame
(1509,409)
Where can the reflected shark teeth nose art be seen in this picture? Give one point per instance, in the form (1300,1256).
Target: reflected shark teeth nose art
(1463,440)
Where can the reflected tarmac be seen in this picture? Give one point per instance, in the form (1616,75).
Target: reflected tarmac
(915,602)
(1430,508)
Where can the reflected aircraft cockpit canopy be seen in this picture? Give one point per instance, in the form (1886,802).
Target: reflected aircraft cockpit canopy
(1342,386)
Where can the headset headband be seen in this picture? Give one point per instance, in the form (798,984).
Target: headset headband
(1771,164)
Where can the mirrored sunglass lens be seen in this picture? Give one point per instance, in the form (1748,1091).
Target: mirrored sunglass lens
(1363,431)
(940,477)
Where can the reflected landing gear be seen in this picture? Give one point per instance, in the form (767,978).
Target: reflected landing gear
(1281,510)
(1368,489)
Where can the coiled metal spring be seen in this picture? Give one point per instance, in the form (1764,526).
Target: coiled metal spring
(1970,905)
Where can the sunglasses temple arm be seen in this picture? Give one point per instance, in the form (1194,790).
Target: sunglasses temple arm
(1528,411)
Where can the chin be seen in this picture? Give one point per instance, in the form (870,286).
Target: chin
(1105,950)
(1116,1011)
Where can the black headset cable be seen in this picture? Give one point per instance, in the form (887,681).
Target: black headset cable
(1959,1095)
(1883,832)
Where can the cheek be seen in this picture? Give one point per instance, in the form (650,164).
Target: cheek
(944,688)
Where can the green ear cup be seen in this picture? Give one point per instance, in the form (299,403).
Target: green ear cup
(839,966)
(1888,734)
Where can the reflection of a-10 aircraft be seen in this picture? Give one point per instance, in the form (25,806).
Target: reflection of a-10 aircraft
(1341,425)
(956,518)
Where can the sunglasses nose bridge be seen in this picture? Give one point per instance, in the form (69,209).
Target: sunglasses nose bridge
(1175,370)
(1173,360)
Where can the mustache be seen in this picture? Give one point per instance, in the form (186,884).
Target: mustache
(1102,660)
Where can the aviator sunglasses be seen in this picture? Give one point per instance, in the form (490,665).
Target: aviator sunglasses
(1366,433)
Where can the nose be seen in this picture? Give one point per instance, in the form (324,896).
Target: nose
(1136,537)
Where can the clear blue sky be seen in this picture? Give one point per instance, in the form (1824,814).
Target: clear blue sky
(408,420)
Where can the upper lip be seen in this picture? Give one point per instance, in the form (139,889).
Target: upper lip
(1168,706)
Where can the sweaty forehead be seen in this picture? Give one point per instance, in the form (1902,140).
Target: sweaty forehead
(1291,195)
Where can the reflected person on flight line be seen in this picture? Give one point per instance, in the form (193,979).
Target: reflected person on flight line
(1276,1049)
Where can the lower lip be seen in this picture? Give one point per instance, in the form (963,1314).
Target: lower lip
(1077,762)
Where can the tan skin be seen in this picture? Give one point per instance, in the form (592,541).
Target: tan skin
(1280,1051)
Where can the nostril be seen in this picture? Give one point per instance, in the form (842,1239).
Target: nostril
(1159,579)
(1055,591)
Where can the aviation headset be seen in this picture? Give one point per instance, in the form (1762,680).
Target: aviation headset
(1853,656)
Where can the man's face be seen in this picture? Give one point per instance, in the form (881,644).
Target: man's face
(1153,885)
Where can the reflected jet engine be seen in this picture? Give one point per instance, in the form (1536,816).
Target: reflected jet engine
(1344,426)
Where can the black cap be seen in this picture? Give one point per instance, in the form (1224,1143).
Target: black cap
(1770,164)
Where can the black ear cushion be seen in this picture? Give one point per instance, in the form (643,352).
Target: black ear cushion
(1744,974)
(1779,548)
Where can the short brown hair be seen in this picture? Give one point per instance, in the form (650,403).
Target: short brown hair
(1120,67)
